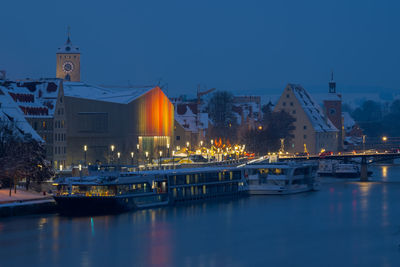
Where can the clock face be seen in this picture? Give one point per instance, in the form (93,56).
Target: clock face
(68,67)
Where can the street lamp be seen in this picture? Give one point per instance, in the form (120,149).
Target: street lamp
(363,142)
(132,158)
(85,149)
(80,172)
(119,155)
(201,143)
(173,159)
(168,150)
(187,146)
(137,154)
(160,158)
(147,156)
(61,167)
(112,154)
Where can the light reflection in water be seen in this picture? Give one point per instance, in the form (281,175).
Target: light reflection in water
(159,246)
(384,172)
(92,225)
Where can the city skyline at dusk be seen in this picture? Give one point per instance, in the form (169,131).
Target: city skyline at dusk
(226,45)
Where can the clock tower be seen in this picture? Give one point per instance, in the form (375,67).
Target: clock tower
(68,62)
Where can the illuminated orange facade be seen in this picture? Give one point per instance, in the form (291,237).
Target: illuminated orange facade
(156,114)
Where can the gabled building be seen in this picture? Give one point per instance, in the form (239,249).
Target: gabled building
(41,103)
(313,130)
(11,115)
(190,123)
(247,110)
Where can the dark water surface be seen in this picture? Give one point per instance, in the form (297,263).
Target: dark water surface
(347,223)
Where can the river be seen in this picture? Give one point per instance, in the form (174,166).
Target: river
(346,223)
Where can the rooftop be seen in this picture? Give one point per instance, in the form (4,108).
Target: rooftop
(314,112)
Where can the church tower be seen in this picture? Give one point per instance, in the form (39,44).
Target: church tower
(68,61)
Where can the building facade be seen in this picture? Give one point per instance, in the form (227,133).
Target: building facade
(41,102)
(314,132)
(116,126)
(333,110)
(68,62)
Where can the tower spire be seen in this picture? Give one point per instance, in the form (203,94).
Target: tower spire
(332,84)
(69,34)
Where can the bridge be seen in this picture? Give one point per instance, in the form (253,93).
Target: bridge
(367,158)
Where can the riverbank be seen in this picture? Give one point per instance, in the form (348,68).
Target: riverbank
(25,203)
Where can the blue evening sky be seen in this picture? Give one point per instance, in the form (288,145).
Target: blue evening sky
(243,46)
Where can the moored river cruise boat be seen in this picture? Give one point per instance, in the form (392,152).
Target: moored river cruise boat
(281,178)
(146,189)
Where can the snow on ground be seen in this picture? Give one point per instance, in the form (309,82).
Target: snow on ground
(21,195)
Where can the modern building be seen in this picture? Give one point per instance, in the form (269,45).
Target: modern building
(313,130)
(117,125)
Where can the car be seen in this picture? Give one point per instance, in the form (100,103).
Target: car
(326,153)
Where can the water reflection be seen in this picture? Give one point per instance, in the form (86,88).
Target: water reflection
(384,172)
(356,220)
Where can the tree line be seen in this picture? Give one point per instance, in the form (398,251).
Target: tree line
(21,158)
(264,137)
(377,119)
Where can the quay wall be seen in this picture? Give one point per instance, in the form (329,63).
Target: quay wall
(27,208)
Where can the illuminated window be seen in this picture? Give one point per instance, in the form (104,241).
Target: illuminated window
(44,125)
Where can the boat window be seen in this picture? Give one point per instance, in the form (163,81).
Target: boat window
(301,171)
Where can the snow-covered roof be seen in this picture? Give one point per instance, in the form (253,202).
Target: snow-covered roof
(314,112)
(68,48)
(36,98)
(348,121)
(94,92)
(192,122)
(11,113)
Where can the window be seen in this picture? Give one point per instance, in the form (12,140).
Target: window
(178,137)
(96,122)
(305,136)
(291,103)
(332,111)
(294,111)
(44,125)
(287,96)
(305,127)
(284,103)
